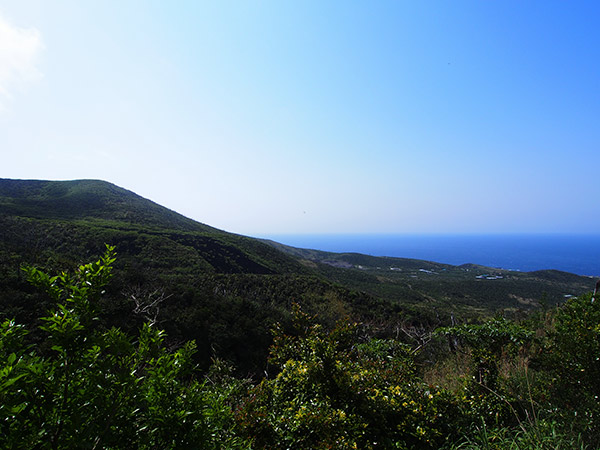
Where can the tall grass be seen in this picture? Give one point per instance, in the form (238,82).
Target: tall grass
(535,435)
(534,428)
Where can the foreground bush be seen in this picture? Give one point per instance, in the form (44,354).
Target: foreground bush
(333,391)
(549,397)
(84,387)
(570,364)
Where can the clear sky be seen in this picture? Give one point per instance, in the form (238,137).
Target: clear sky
(263,117)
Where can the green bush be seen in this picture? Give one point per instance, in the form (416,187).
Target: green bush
(333,391)
(570,361)
(489,343)
(88,387)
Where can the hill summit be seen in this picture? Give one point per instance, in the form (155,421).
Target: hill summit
(87,199)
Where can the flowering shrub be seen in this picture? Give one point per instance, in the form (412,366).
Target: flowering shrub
(332,391)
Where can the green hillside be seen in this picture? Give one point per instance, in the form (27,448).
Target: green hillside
(269,346)
(225,290)
(72,219)
(468,290)
(87,199)
(221,289)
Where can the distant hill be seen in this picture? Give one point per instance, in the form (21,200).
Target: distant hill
(465,290)
(225,290)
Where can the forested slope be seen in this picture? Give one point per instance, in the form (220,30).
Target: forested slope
(221,289)
(226,291)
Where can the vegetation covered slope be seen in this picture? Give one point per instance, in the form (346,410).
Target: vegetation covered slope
(87,200)
(468,290)
(223,290)
(71,382)
(226,291)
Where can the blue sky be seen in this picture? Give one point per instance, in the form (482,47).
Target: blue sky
(271,117)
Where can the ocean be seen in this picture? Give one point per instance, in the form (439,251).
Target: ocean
(578,254)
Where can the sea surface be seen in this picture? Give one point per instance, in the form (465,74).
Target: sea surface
(578,254)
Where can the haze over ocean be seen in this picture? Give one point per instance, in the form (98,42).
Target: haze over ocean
(578,254)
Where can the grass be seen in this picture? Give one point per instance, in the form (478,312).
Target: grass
(533,435)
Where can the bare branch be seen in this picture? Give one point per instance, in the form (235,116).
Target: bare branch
(147,301)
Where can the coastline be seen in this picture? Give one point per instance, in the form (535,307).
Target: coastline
(575,253)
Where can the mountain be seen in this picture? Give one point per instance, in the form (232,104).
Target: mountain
(87,199)
(226,291)
(76,218)
(223,290)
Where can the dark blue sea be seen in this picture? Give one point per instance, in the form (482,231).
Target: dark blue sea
(578,254)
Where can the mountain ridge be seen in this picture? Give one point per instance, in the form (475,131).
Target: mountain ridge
(88,198)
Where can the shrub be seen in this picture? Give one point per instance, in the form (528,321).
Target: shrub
(571,362)
(88,387)
(333,391)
